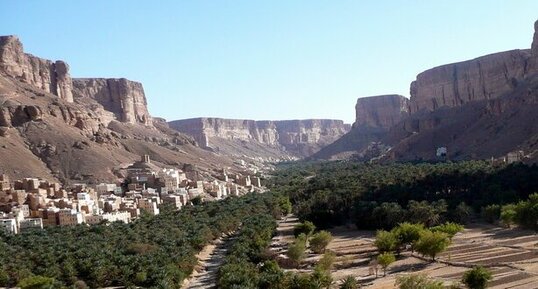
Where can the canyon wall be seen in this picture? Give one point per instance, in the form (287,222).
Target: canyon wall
(483,78)
(52,77)
(124,98)
(291,134)
(382,111)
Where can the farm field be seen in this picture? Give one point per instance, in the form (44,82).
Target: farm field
(510,254)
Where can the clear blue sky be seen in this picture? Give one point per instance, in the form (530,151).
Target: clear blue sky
(277,59)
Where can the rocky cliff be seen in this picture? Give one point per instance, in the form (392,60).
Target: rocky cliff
(52,77)
(382,111)
(124,98)
(297,136)
(480,108)
(483,78)
(47,131)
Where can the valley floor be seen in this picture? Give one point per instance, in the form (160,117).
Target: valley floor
(510,254)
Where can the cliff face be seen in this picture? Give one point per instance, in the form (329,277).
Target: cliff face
(124,98)
(48,133)
(382,111)
(52,77)
(456,84)
(478,108)
(298,136)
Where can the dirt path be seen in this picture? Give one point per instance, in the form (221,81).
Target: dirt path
(210,259)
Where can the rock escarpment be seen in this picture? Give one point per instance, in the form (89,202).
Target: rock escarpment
(52,77)
(382,111)
(53,130)
(301,137)
(483,78)
(480,108)
(124,98)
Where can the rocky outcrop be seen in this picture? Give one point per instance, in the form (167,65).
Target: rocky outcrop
(52,77)
(456,84)
(290,134)
(124,98)
(382,111)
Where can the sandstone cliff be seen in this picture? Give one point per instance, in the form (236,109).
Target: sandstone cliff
(47,131)
(52,77)
(124,98)
(300,137)
(480,108)
(382,111)
(456,84)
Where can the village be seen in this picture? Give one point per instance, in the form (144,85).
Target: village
(31,203)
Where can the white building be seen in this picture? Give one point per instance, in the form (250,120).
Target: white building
(9,226)
(103,188)
(36,223)
(110,217)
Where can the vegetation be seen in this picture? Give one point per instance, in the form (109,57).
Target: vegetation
(382,196)
(319,241)
(448,228)
(384,260)
(385,241)
(432,243)
(296,251)
(149,252)
(477,278)
(349,283)
(415,281)
(407,233)
(306,228)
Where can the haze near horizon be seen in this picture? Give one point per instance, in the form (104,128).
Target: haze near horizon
(265,60)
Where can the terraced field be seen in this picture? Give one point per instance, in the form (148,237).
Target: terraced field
(511,255)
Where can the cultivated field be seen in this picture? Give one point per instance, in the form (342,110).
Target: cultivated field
(510,254)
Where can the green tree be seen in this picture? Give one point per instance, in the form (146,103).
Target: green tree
(37,282)
(296,251)
(326,262)
(349,283)
(491,213)
(449,228)
(408,233)
(385,241)
(384,260)
(462,213)
(417,281)
(432,243)
(306,228)
(319,241)
(477,278)
(509,213)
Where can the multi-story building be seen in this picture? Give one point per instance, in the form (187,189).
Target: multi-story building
(30,223)
(9,225)
(149,205)
(69,218)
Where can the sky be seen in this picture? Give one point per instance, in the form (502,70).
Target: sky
(265,60)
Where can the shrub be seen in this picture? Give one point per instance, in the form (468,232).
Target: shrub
(37,282)
(476,278)
(319,241)
(415,281)
(508,215)
(449,228)
(491,213)
(296,251)
(432,243)
(407,233)
(384,260)
(349,283)
(326,262)
(385,241)
(462,213)
(306,228)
